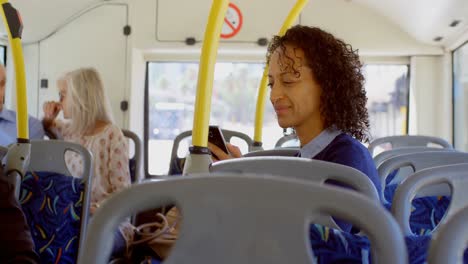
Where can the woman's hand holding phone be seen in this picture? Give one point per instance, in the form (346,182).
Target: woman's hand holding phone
(234,152)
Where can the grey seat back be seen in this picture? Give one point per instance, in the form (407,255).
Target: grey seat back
(228,134)
(408,141)
(49,155)
(245,219)
(137,156)
(381,157)
(305,169)
(448,245)
(418,161)
(455,176)
(285,152)
(288,140)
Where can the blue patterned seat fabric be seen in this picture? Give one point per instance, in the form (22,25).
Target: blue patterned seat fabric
(418,247)
(52,204)
(334,246)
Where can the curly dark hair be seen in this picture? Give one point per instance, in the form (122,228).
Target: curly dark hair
(337,69)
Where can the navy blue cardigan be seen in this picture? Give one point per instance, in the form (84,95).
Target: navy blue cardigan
(346,150)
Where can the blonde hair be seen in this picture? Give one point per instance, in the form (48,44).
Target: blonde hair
(87,101)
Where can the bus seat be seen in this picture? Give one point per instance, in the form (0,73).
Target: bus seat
(176,165)
(448,245)
(316,171)
(408,141)
(417,161)
(229,134)
(381,157)
(420,183)
(55,203)
(288,141)
(246,219)
(135,162)
(286,152)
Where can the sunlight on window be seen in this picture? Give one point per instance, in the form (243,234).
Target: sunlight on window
(387,89)
(172,89)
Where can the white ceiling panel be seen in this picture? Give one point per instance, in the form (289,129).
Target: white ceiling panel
(424,19)
(41,17)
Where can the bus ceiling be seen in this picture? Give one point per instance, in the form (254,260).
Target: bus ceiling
(431,22)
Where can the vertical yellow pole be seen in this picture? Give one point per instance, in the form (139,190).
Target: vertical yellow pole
(206,73)
(261,97)
(12,21)
(18,155)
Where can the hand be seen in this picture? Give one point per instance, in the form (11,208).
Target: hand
(93,207)
(51,110)
(234,152)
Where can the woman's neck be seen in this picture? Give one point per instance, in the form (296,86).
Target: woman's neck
(308,131)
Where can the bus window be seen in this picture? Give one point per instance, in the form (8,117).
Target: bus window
(171,96)
(387,88)
(167,119)
(460,88)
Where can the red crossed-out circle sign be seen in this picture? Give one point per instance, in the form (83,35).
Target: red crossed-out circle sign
(232,22)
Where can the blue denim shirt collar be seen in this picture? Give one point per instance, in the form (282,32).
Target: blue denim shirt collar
(319,143)
(8,115)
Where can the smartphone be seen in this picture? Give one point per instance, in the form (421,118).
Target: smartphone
(215,136)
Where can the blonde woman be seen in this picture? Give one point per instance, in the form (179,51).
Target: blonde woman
(88,121)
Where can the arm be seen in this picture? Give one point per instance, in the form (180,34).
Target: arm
(36,130)
(51,110)
(357,157)
(234,151)
(16,244)
(119,173)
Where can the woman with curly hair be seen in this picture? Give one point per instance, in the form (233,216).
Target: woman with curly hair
(317,88)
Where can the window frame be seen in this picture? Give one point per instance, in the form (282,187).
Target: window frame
(404,61)
(453,89)
(4,55)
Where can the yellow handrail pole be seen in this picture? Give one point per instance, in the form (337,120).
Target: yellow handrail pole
(13,23)
(18,155)
(261,96)
(206,73)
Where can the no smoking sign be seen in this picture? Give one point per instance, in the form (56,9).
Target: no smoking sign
(232,22)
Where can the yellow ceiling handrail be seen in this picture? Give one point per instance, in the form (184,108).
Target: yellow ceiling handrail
(206,73)
(12,21)
(261,96)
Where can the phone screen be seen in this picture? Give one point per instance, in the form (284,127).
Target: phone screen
(215,136)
